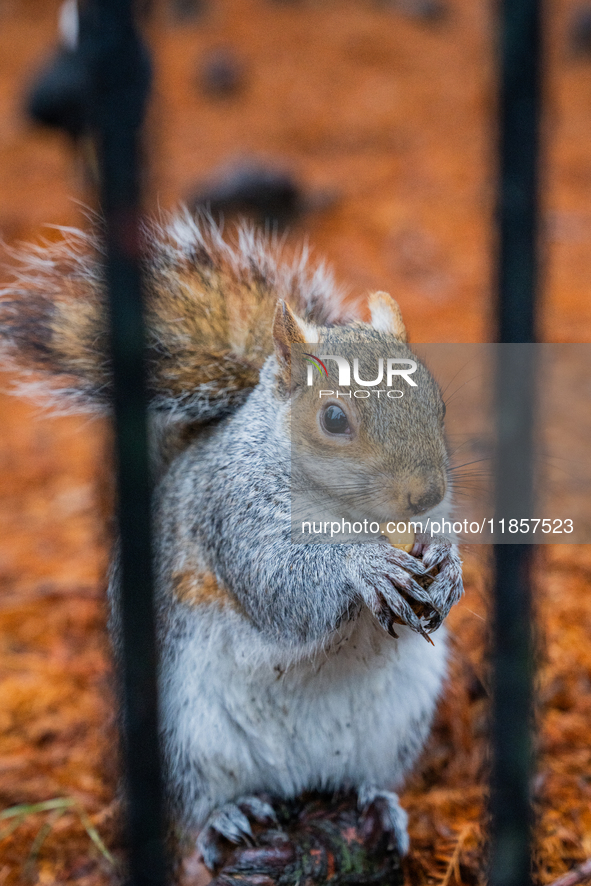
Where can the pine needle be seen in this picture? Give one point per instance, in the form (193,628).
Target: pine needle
(453,868)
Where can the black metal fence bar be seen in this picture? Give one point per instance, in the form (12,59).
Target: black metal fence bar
(517,279)
(120,82)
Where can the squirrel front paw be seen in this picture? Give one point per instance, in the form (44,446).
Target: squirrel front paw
(443,559)
(416,589)
(231,822)
(383,576)
(391,818)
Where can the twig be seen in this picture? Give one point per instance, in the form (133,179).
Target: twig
(577,875)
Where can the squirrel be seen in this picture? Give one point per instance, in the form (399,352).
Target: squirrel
(283,667)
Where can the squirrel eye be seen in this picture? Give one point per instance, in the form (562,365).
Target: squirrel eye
(444,409)
(335,421)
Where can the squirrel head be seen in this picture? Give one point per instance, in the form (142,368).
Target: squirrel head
(367,417)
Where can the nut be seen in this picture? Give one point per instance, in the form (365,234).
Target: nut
(404,541)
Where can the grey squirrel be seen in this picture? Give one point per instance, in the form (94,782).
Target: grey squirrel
(284,667)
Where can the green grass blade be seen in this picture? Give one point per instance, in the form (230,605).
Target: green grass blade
(94,835)
(16,821)
(32,808)
(42,834)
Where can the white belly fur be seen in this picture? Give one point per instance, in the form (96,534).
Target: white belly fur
(237,720)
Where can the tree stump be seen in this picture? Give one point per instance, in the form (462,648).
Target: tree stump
(319,839)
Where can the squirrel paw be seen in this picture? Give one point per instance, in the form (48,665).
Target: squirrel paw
(392,820)
(231,822)
(448,587)
(383,575)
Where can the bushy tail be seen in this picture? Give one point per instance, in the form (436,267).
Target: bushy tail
(209,308)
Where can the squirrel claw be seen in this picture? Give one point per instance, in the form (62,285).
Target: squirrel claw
(392,820)
(257,809)
(230,822)
(386,619)
(395,610)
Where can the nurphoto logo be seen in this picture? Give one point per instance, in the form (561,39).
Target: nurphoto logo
(396,369)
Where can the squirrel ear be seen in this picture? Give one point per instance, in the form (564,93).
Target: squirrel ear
(386,315)
(289,330)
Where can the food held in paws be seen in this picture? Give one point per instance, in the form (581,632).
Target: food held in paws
(404,541)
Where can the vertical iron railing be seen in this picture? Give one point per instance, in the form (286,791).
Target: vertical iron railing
(519,114)
(119,82)
(100,91)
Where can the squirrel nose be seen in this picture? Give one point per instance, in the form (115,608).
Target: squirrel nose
(420,501)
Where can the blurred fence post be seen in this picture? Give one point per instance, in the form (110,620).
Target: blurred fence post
(119,85)
(100,90)
(517,277)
